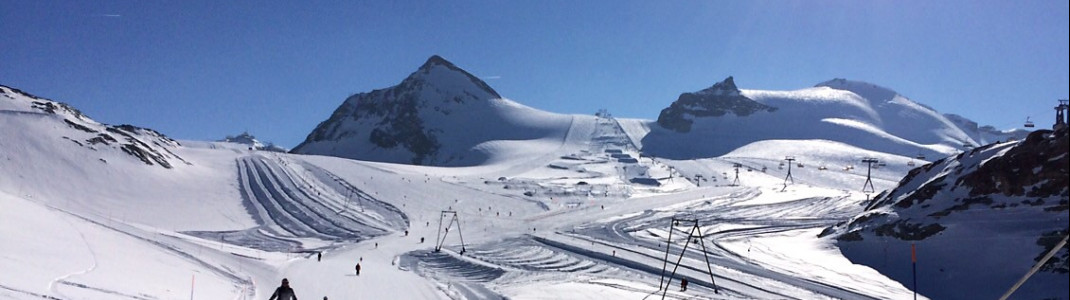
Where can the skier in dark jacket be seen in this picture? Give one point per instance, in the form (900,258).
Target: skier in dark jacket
(284,292)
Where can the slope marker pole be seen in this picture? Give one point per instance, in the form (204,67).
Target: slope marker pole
(914,263)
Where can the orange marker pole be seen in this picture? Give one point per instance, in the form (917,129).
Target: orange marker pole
(914,261)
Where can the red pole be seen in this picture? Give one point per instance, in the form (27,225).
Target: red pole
(914,261)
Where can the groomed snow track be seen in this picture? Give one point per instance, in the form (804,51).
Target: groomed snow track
(291,200)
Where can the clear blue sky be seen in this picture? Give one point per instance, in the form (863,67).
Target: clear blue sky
(205,69)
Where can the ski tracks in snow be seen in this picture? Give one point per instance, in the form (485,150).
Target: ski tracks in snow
(63,279)
(294,200)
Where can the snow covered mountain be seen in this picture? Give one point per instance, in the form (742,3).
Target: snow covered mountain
(983,216)
(250,141)
(439,115)
(986,134)
(721,118)
(23,112)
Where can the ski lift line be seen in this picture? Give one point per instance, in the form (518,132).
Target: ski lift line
(1016,124)
(1035,268)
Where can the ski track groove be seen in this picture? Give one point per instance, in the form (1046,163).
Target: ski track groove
(297,211)
(317,203)
(310,210)
(93,254)
(221,271)
(617,233)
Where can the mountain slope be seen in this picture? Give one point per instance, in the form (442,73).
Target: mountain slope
(439,115)
(722,118)
(985,134)
(986,215)
(22,111)
(53,154)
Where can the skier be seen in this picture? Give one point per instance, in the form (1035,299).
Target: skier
(319,256)
(284,292)
(683,284)
(358,270)
(421,240)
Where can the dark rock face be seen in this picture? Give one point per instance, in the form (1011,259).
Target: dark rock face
(720,99)
(1034,171)
(394,117)
(1036,168)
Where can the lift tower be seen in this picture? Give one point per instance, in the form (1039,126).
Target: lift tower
(787,178)
(441,236)
(694,233)
(1060,114)
(868,186)
(736,181)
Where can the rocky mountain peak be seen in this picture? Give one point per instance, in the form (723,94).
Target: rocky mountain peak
(725,87)
(720,99)
(395,120)
(438,71)
(436,60)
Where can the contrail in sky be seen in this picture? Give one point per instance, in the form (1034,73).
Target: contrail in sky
(492,77)
(108,15)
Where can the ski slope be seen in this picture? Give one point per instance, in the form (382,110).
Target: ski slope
(579,215)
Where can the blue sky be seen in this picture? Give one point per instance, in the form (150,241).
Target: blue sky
(206,69)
